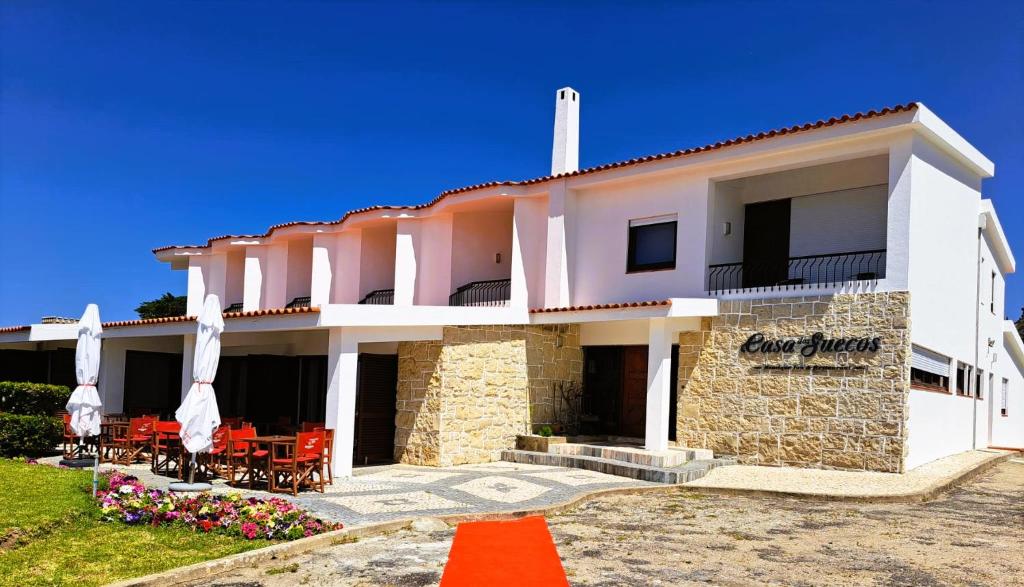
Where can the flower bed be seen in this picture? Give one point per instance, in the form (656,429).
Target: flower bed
(128,501)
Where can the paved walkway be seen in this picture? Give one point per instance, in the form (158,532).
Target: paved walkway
(392,492)
(848,484)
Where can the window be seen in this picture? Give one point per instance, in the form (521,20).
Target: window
(977,384)
(992,294)
(928,370)
(962,377)
(1003,411)
(652,244)
(931,381)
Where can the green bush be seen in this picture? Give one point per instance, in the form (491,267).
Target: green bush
(32,399)
(30,436)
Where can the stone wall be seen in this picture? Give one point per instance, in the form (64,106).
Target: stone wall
(848,411)
(463,399)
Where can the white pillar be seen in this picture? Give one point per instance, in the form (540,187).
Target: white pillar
(557,273)
(111,377)
(897,245)
(322,272)
(342,363)
(275,278)
(347,267)
(188,353)
(406,243)
(659,380)
(565,149)
(252,285)
(198,270)
(434,255)
(529,226)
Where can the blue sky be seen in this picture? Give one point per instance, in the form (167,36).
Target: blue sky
(125,126)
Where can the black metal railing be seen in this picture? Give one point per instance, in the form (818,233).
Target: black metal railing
(235,307)
(492,292)
(379,296)
(798,272)
(299,302)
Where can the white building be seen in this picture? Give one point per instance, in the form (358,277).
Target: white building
(686,291)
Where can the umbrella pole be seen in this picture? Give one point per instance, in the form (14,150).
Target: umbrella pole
(95,472)
(192,470)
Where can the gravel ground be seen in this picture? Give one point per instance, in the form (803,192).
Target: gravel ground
(973,535)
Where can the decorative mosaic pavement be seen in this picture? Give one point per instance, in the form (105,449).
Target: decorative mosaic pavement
(384,493)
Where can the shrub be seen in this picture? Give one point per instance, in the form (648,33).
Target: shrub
(39,399)
(22,435)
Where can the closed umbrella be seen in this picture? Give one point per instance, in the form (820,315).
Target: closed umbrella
(84,404)
(198,414)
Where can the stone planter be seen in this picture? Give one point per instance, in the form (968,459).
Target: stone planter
(536,443)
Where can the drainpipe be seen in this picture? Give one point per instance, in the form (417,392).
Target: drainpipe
(977,340)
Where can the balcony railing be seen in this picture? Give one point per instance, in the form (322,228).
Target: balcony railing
(379,296)
(493,292)
(798,272)
(235,307)
(299,302)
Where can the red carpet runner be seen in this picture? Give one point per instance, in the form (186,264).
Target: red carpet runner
(514,552)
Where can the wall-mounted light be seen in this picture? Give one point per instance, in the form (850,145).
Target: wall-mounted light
(497,257)
(726,228)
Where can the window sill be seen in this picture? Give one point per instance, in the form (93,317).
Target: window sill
(930,389)
(651,270)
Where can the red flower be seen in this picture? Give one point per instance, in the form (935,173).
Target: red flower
(205,525)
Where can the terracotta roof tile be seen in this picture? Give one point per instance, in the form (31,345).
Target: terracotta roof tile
(636,161)
(4,329)
(602,306)
(227,315)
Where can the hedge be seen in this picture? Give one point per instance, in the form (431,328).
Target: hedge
(29,436)
(39,399)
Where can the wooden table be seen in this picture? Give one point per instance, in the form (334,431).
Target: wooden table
(257,472)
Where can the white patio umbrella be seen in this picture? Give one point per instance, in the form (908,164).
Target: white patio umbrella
(84,405)
(198,413)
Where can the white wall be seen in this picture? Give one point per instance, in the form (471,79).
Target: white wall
(1008,431)
(300,268)
(234,287)
(377,259)
(602,233)
(476,237)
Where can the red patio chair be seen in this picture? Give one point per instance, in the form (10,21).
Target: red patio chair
(217,459)
(328,452)
(244,456)
(167,448)
(300,464)
(69,439)
(129,441)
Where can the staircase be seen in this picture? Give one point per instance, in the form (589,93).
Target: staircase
(672,466)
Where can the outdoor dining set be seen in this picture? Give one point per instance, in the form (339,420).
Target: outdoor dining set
(279,462)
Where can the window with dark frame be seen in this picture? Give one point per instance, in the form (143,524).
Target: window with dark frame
(977,384)
(961,380)
(1003,411)
(992,294)
(652,245)
(927,380)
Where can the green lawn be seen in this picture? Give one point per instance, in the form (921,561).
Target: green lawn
(51,534)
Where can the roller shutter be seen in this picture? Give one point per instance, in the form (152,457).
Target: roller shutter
(926,360)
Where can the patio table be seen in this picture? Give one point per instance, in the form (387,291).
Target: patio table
(258,471)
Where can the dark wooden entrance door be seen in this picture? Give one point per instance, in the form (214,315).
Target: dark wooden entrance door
(766,243)
(634,391)
(376,393)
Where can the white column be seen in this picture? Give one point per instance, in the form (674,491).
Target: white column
(275,278)
(434,253)
(188,353)
(252,286)
(565,149)
(322,273)
(198,269)
(406,242)
(342,363)
(111,376)
(897,245)
(529,228)
(659,380)
(557,272)
(348,263)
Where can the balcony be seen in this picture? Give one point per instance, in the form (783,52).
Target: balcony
(379,297)
(802,272)
(492,292)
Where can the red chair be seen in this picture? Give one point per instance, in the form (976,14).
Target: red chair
(129,441)
(243,455)
(298,465)
(70,441)
(328,452)
(167,448)
(216,460)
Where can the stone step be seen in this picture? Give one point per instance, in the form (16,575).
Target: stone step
(690,471)
(673,457)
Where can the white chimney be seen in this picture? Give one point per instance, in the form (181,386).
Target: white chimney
(565,153)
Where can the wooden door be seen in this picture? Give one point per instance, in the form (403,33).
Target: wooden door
(634,391)
(376,395)
(766,243)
